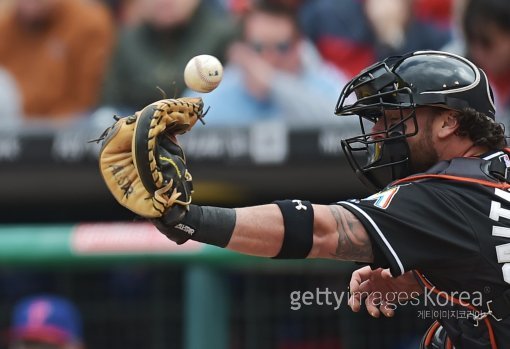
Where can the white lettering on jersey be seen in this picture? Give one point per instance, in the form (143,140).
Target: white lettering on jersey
(506,271)
(502,251)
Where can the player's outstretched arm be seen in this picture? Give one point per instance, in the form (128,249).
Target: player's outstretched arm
(145,169)
(287,229)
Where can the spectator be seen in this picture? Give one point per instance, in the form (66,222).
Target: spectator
(457,43)
(396,30)
(48,322)
(436,12)
(274,73)
(353,34)
(155,52)
(342,34)
(56,50)
(125,12)
(486,26)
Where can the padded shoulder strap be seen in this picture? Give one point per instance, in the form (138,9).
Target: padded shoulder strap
(491,170)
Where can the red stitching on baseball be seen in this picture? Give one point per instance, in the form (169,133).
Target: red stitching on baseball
(203,77)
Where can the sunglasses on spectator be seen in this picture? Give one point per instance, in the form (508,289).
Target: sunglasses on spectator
(281,47)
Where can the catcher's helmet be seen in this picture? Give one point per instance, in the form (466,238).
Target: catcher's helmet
(420,78)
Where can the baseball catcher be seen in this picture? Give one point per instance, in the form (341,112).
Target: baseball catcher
(439,221)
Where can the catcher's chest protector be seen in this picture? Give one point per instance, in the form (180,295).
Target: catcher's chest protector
(491,171)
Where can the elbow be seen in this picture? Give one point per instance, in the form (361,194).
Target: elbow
(324,234)
(321,247)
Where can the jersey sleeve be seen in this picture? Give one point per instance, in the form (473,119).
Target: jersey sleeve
(416,226)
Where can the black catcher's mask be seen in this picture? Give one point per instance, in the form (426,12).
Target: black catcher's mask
(403,83)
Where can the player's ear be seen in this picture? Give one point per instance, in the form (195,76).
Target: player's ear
(448,123)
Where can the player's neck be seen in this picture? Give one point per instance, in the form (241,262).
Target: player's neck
(475,150)
(461,147)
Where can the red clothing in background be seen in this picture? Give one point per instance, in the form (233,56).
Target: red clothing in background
(58,65)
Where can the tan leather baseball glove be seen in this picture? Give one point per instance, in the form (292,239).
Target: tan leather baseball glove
(142,164)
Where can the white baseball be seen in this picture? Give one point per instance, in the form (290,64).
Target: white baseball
(203,73)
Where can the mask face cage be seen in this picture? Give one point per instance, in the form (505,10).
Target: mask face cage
(380,156)
(387,95)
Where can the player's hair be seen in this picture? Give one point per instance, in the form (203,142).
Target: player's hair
(481,129)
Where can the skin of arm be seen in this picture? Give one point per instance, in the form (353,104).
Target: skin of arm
(337,233)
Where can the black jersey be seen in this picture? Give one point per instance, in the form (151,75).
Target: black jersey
(456,233)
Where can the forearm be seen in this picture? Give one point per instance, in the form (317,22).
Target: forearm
(258,231)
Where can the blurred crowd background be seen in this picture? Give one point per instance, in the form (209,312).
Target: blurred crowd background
(70,64)
(63,60)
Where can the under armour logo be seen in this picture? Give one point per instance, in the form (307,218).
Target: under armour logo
(300,205)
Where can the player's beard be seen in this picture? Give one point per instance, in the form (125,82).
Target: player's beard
(423,154)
